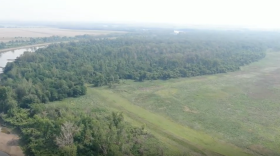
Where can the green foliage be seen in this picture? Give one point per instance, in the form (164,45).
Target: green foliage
(7,100)
(99,134)
(60,70)
(70,150)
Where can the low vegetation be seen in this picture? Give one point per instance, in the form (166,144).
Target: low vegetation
(239,108)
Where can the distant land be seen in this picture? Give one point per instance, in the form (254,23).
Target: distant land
(124,26)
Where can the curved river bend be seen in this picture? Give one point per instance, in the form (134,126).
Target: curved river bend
(11,55)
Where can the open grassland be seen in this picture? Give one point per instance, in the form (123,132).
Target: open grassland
(7,34)
(236,113)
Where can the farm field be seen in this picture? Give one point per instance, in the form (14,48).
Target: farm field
(225,114)
(7,34)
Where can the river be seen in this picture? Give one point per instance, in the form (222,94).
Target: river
(11,55)
(3,154)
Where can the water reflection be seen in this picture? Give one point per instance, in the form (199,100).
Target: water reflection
(3,154)
(10,56)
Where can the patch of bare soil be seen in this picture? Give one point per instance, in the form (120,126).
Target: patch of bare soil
(9,144)
(187,109)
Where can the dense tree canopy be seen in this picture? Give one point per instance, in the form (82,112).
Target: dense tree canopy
(61,70)
(63,132)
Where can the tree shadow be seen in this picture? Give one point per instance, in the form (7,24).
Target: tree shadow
(13,142)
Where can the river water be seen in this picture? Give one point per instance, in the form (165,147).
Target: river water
(10,56)
(3,154)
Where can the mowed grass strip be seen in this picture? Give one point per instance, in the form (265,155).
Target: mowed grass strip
(174,131)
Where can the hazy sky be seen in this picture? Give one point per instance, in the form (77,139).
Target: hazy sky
(252,13)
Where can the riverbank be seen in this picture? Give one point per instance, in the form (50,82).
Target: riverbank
(9,144)
(27,46)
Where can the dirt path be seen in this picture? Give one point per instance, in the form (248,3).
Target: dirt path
(9,144)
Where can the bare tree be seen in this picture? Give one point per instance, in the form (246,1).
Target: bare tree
(67,133)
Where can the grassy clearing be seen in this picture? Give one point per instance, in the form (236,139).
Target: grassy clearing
(193,115)
(240,107)
(172,130)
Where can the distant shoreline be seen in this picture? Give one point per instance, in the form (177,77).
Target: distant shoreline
(27,46)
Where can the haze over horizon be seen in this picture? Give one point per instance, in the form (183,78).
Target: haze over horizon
(237,13)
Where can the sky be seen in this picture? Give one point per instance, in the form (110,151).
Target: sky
(247,13)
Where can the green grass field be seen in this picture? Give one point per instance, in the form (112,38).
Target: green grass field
(225,114)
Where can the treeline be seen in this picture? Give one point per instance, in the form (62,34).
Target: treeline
(60,70)
(23,41)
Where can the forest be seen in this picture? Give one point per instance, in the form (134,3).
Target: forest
(66,70)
